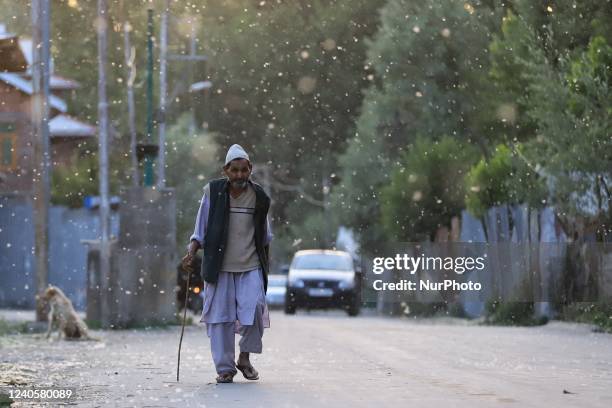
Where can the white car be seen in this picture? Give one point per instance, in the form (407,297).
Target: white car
(277,287)
(320,278)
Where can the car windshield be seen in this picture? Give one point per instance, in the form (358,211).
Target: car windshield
(322,261)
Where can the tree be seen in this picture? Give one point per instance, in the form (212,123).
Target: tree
(291,96)
(503,178)
(429,60)
(192,160)
(426,189)
(559,77)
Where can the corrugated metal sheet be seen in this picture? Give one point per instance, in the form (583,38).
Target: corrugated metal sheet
(68,256)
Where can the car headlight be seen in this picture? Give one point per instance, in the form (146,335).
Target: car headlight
(346,284)
(296,283)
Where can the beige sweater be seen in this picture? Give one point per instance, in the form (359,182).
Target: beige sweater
(240,253)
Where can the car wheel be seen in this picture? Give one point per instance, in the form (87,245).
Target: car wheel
(289,309)
(353,310)
(354,307)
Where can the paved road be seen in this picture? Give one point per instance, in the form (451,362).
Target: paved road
(325,359)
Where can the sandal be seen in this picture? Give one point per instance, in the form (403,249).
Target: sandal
(248,371)
(225,378)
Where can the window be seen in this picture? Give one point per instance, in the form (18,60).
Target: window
(323,261)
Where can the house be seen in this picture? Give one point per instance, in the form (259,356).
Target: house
(16,138)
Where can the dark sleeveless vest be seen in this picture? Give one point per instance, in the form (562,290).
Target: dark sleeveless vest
(215,240)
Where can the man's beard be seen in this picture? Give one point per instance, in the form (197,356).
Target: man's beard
(239,184)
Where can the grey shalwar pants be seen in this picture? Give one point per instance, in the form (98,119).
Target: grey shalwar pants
(236,303)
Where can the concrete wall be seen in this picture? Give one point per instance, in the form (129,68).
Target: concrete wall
(143,268)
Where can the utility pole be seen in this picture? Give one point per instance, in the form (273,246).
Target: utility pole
(192,53)
(192,58)
(148,176)
(101,28)
(130,71)
(267,183)
(42,163)
(161,120)
(267,180)
(163,86)
(326,187)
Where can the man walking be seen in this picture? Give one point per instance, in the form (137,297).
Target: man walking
(233,229)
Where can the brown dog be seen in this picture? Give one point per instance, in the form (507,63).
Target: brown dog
(62,314)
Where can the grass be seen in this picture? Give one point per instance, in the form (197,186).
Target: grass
(598,314)
(512,314)
(93,324)
(10,328)
(432,309)
(160,324)
(5,400)
(145,325)
(7,328)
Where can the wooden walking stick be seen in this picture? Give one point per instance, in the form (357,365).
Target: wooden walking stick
(178,363)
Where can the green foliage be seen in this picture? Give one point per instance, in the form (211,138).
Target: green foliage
(487,182)
(7,327)
(559,75)
(426,189)
(343,87)
(599,314)
(573,144)
(5,400)
(428,61)
(289,85)
(592,69)
(70,185)
(429,58)
(192,160)
(365,170)
(317,231)
(94,324)
(424,309)
(504,178)
(512,314)
(509,52)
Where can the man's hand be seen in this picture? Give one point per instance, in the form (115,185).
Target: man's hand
(187,261)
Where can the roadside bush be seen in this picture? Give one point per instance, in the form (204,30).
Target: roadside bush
(505,178)
(599,314)
(512,314)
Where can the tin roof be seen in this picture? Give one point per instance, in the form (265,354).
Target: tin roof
(57,82)
(67,126)
(25,85)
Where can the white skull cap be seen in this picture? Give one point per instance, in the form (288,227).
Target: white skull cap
(235,152)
